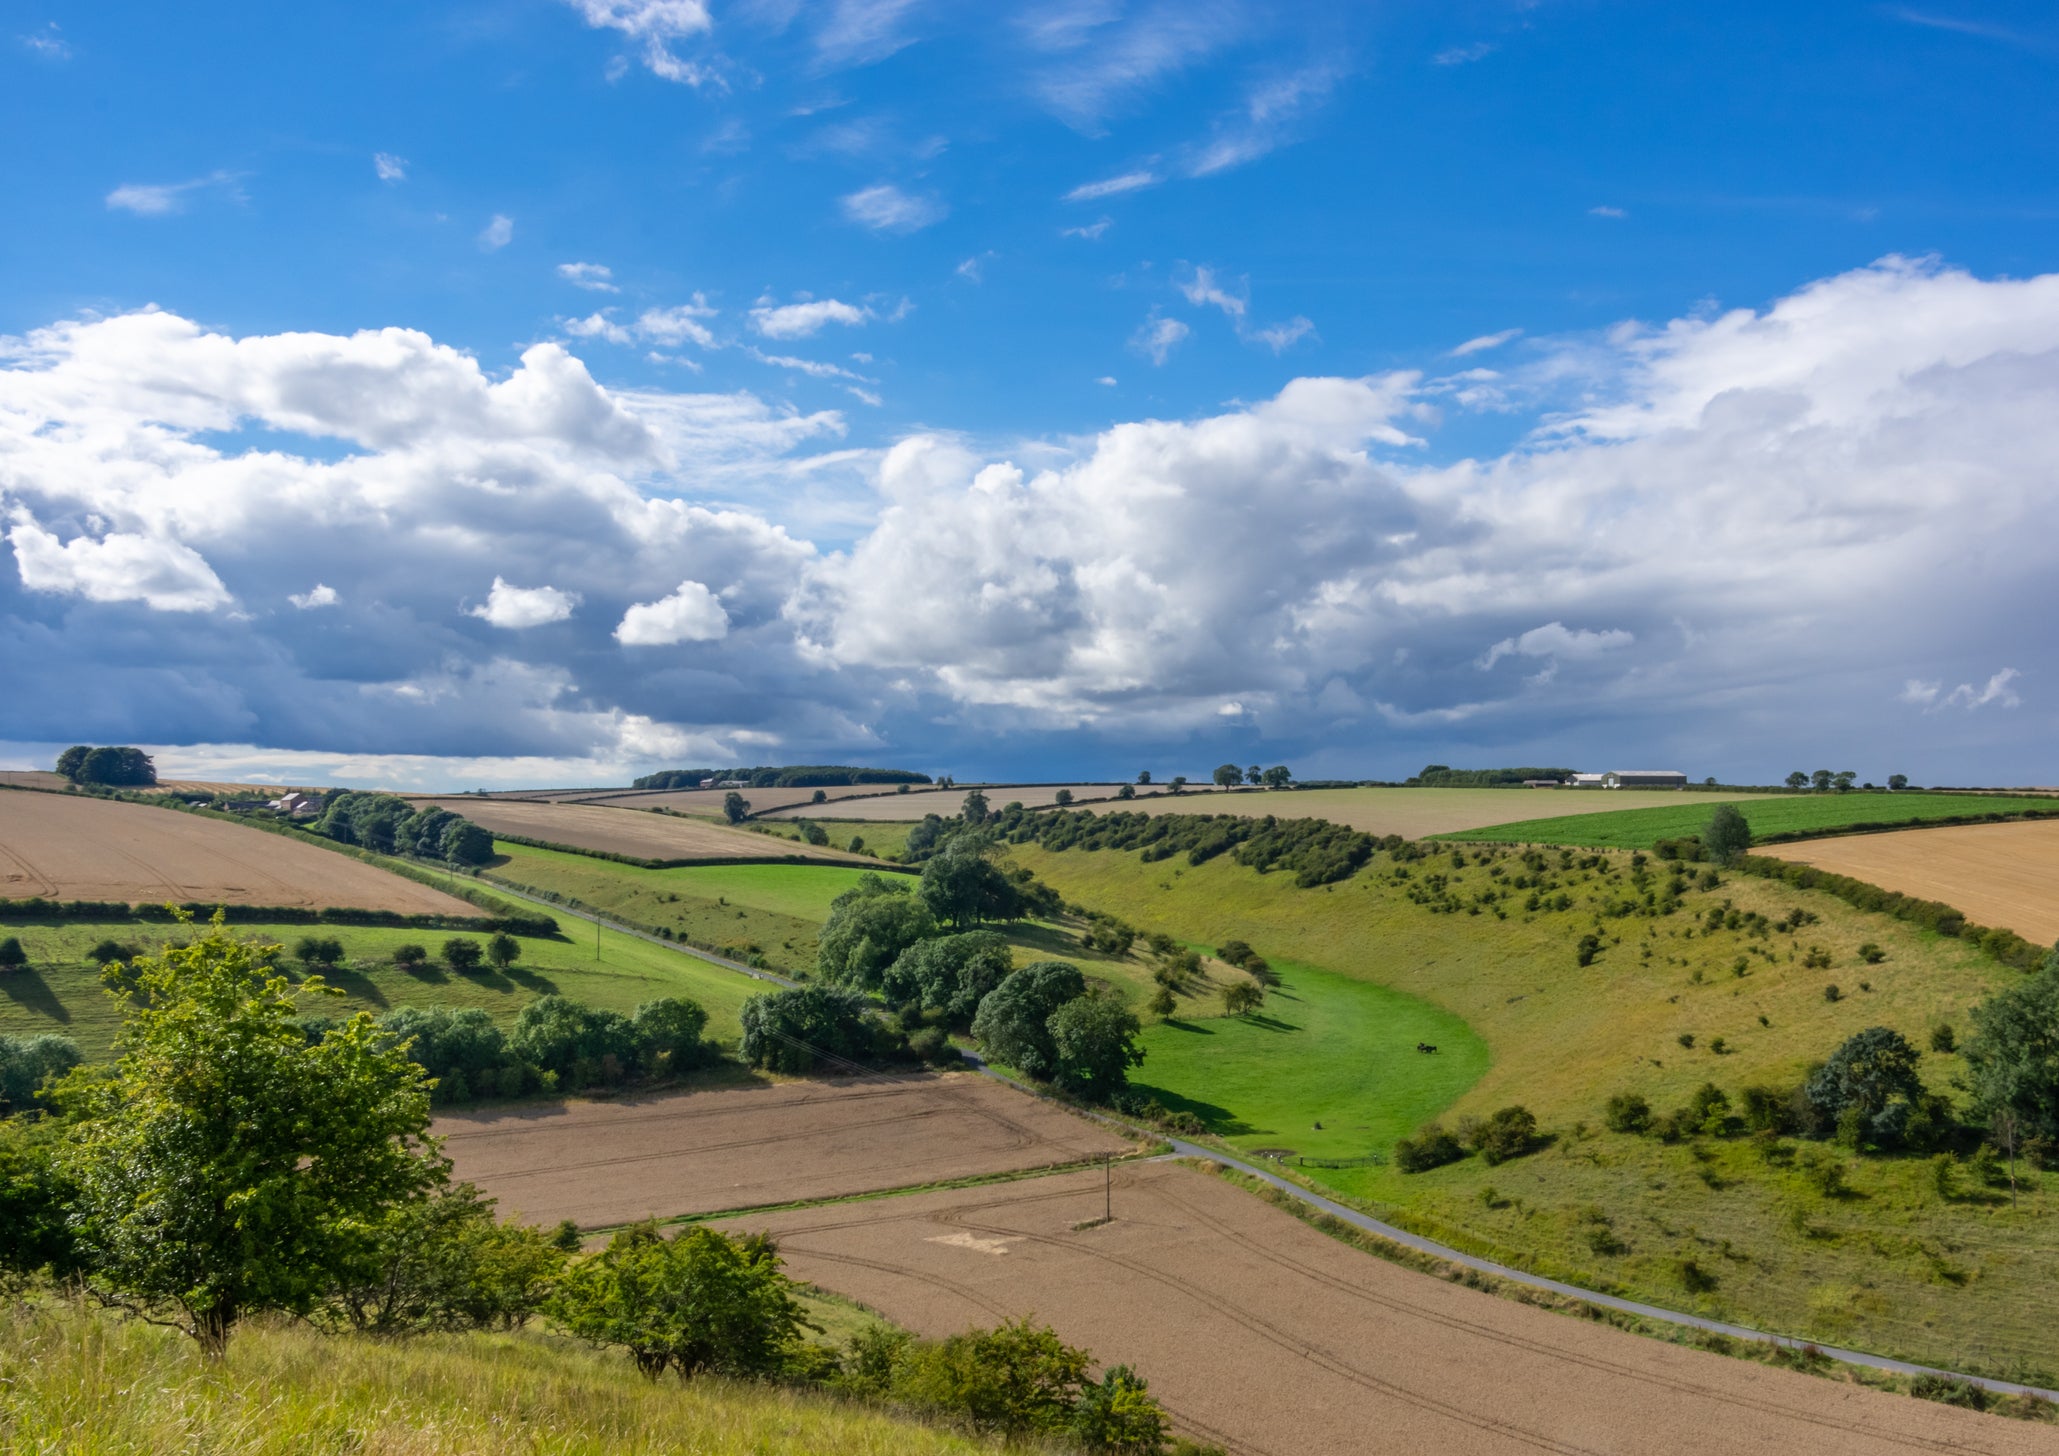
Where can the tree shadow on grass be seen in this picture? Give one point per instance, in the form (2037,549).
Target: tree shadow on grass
(27,989)
(354,983)
(1219,1120)
(428,971)
(535,981)
(1267,1023)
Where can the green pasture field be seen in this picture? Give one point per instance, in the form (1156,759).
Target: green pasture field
(1786,814)
(769,910)
(1963,1281)
(1325,1048)
(884,838)
(60,991)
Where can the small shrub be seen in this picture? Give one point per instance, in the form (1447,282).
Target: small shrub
(1943,1038)
(1719,1046)
(1627,1112)
(1588,949)
(1949,1390)
(1766,1109)
(1944,1176)
(12,956)
(1708,1110)
(461,954)
(1509,1133)
(1694,1278)
(1872,954)
(1433,1147)
(1686,1039)
(1831,993)
(1817,959)
(1824,1171)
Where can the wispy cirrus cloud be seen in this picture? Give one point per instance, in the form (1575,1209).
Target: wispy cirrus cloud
(48,43)
(1128,58)
(1999,690)
(1114,186)
(497,234)
(800,320)
(1157,337)
(885,208)
(389,167)
(1978,29)
(1267,120)
(656,25)
(160,199)
(594,277)
(1485,342)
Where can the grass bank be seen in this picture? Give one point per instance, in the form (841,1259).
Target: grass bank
(1796,814)
(1960,1278)
(75,1381)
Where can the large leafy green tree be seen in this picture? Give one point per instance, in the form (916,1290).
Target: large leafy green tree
(1018,1378)
(950,973)
(1726,836)
(869,926)
(701,1302)
(1229,775)
(1095,1040)
(1873,1076)
(963,887)
(1013,1025)
(788,1031)
(2012,1058)
(225,1165)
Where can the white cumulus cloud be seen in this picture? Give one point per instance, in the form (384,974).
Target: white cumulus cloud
(800,320)
(389,167)
(318,595)
(497,234)
(594,277)
(121,566)
(517,607)
(691,614)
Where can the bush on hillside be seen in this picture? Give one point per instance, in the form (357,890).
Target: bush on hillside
(1432,1147)
(791,1031)
(868,928)
(949,974)
(1509,1133)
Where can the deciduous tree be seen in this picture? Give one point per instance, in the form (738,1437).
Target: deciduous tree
(225,1165)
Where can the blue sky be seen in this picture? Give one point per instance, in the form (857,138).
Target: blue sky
(564,388)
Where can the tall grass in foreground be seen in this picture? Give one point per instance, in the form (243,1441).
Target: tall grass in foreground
(76,1380)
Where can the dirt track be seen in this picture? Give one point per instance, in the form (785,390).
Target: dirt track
(627,831)
(66,847)
(602,1163)
(1265,1336)
(1999,874)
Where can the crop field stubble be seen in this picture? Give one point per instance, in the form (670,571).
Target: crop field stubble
(946,802)
(1998,874)
(642,834)
(1262,1334)
(72,847)
(708,802)
(607,1163)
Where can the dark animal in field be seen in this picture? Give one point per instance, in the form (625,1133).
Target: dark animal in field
(1423,1046)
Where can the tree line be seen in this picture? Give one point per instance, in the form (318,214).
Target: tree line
(391,825)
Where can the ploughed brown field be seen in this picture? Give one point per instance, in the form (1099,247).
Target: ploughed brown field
(947,802)
(709,801)
(1999,874)
(70,847)
(626,831)
(1263,1335)
(604,1163)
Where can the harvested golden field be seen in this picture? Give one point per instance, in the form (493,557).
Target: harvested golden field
(709,801)
(947,802)
(31,778)
(71,847)
(604,1163)
(1263,1335)
(625,831)
(1999,874)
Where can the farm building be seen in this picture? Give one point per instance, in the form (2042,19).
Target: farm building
(1630,778)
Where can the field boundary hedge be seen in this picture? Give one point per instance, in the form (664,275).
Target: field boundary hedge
(696,861)
(2006,946)
(38,908)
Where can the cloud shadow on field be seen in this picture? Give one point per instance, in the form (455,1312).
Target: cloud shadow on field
(28,990)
